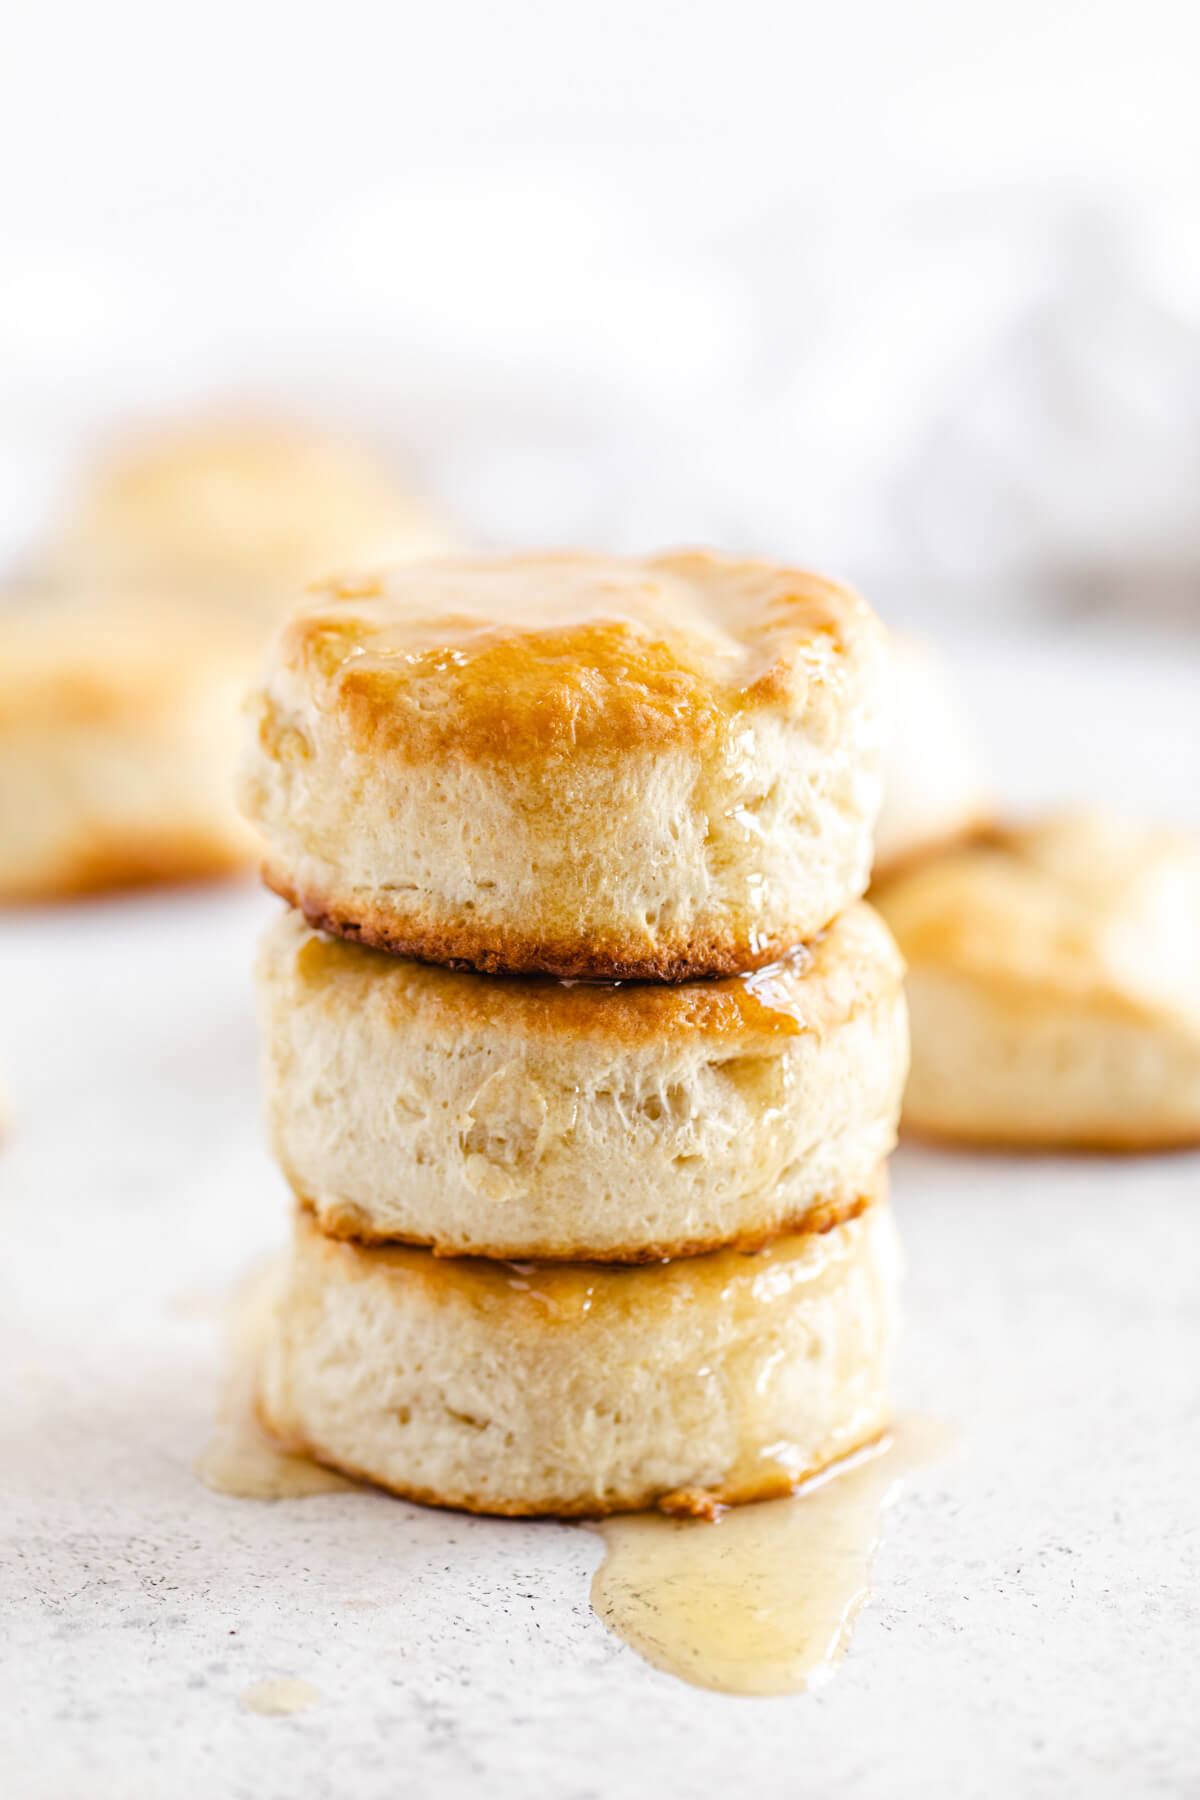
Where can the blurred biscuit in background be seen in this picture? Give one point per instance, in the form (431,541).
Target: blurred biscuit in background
(118,732)
(248,511)
(933,789)
(122,669)
(1054,987)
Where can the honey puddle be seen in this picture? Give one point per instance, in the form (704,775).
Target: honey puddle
(764,1600)
(279,1698)
(240,1458)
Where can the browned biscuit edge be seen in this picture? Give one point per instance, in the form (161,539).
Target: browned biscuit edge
(496,950)
(820,1216)
(1029,1142)
(704,1503)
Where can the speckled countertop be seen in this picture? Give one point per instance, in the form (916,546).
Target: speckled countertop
(1036,1621)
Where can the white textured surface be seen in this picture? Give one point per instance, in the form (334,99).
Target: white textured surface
(1035,1626)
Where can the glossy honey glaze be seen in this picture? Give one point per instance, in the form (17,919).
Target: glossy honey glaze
(735,1291)
(763,1600)
(841,972)
(522,654)
(280,1698)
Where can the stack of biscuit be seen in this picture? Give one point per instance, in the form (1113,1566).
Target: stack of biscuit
(584,1055)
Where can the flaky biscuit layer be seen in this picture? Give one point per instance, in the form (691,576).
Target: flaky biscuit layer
(580,1389)
(521,1116)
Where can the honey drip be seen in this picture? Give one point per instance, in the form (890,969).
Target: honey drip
(240,1458)
(763,1601)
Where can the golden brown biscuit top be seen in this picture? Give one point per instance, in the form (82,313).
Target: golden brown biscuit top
(539,1296)
(524,655)
(1080,904)
(850,967)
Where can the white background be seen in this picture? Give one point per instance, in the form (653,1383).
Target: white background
(909,289)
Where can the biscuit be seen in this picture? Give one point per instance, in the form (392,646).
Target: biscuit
(119,727)
(933,792)
(245,512)
(571,1388)
(579,765)
(1054,987)
(519,1116)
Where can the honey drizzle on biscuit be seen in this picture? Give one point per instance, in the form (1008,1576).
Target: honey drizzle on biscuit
(761,1600)
(521,656)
